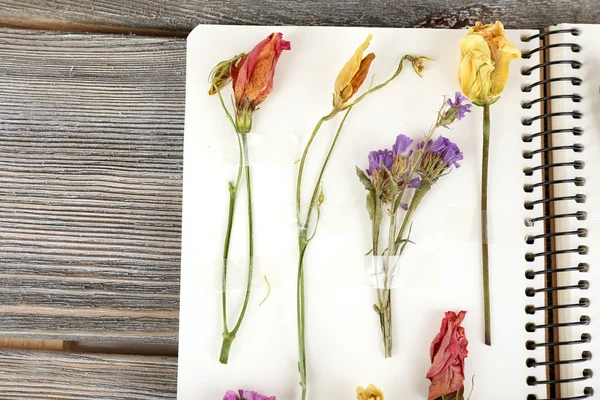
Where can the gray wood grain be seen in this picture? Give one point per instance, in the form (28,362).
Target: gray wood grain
(91,140)
(184,15)
(43,375)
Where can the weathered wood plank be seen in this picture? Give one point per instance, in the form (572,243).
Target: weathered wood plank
(29,374)
(91,140)
(171,15)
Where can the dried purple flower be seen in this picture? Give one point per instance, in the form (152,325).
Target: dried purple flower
(453,110)
(439,156)
(379,158)
(462,109)
(246,395)
(402,144)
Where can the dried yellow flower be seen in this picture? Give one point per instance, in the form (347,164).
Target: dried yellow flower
(484,62)
(372,392)
(352,76)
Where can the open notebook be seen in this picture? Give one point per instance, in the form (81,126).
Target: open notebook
(442,271)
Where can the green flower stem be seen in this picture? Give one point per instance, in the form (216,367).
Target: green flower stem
(229,336)
(384,309)
(386,306)
(420,193)
(303,241)
(300,315)
(380,86)
(484,224)
(303,162)
(233,187)
(375,232)
(313,199)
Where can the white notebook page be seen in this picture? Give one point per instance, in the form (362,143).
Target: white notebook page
(589,57)
(441,272)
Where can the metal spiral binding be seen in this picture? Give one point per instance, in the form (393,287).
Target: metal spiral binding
(550,271)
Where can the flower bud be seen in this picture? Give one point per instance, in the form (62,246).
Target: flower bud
(417,63)
(321,198)
(252,77)
(352,75)
(219,77)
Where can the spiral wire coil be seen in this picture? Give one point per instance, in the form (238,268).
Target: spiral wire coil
(551,289)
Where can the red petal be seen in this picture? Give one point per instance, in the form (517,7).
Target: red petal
(253,79)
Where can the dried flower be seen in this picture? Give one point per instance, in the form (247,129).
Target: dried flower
(461,109)
(389,169)
(452,111)
(438,157)
(246,395)
(448,352)
(379,159)
(352,75)
(253,77)
(484,62)
(372,392)
(482,73)
(220,76)
(417,63)
(402,162)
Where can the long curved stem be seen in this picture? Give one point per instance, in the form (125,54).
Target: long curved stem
(301,167)
(303,244)
(313,199)
(233,187)
(300,315)
(250,237)
(229,336)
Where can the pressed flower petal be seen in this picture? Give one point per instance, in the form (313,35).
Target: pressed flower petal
(475,69)
(231,395)
(379,158)
(261,84)
(361,75)
(342,87)
(448,352)
(403,142)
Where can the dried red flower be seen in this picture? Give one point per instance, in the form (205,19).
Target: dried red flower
(448,353)
(252,77)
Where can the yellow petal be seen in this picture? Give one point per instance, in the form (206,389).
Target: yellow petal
(360,76)
(505,54)
(475,69)
(342,85)
(372,392)
(488,30)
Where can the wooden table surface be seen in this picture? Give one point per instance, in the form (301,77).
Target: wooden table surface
(91,144)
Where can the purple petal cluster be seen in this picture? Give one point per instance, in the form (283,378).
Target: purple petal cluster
(444,149)
(246,395)
(462,109)
(402,144)
(379,158)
